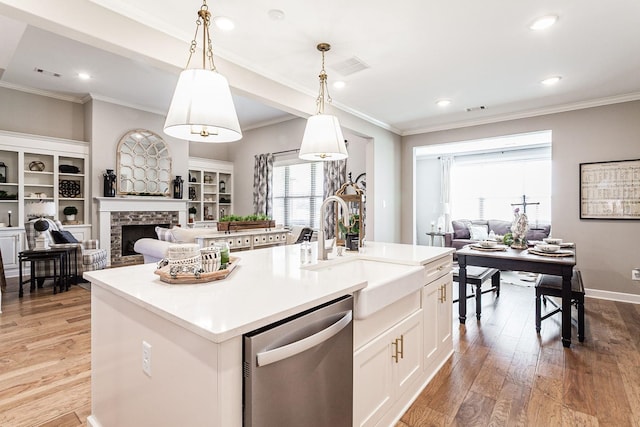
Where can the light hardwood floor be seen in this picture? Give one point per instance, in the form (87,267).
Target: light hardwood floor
(501,374)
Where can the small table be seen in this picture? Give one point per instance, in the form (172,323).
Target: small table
(520,260)
(433,234)
(61,258)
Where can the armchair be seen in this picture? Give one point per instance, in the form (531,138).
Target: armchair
(89,256)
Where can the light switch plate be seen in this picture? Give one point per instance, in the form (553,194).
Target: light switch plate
(635,274)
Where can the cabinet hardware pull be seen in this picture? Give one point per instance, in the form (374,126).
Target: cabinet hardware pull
(440,267)
(395,350)
(441,296)
(444,291)
(401,347)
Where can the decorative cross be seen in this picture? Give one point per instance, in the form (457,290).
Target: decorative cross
(524,203)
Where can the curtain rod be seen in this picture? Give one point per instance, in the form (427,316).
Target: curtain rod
(295,150)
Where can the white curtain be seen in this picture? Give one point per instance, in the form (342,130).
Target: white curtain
(446,163)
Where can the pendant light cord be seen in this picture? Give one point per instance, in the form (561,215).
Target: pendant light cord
(204,20)
(324,88)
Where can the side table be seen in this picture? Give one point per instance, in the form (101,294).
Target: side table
(60,257)
(433,234)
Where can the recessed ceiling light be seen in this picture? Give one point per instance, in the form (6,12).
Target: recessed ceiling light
(443,102)
(339,84)
(543,22)
(223,23)
(276,14)
(551,80)
(84,76)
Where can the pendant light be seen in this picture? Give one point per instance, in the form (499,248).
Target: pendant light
(202,109)
(323,138)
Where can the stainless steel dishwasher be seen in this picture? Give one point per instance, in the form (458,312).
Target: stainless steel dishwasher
(299,372)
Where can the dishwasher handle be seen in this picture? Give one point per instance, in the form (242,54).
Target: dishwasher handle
(277,354)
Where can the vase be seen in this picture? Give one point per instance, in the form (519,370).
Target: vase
(177,187)
(109,184)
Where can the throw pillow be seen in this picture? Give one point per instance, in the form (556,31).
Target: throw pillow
(461,229)
(164,234)
(187,235)
(63,237)
(478,232)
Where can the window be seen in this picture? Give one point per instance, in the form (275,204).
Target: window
(297,194)
(484,186)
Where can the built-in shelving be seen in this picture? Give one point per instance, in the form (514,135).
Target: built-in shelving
(210,189)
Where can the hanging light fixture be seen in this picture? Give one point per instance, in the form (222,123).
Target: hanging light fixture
(323,138)
(202,109)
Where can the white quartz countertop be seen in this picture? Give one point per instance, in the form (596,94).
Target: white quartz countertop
(267,285)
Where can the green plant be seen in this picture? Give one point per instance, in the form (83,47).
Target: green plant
(354,225)
(70,210)
(258,217)
(193,210)
(508,239)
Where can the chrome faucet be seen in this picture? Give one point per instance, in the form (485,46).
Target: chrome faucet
(322,250)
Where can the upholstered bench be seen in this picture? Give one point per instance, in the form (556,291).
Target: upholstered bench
(551,286)
(475,277)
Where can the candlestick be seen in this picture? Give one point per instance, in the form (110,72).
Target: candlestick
(9,212)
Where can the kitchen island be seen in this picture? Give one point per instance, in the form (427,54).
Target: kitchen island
(191,335)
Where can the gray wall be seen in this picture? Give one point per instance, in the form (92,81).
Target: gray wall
(607,250)
(40,115)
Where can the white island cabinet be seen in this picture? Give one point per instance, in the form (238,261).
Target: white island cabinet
(172,354)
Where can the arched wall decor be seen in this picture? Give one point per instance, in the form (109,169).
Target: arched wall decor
(144,164)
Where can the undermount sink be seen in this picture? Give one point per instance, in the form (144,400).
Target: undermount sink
(386,282)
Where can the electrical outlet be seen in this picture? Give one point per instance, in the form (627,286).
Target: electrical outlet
(635,274)
(146,358)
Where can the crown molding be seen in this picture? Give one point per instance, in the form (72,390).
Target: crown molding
(48,94)
(599,102)
(97,97)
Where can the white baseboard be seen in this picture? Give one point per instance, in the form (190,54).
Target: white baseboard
(92,422)
(612,296)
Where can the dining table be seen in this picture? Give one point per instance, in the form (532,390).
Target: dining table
(503,257)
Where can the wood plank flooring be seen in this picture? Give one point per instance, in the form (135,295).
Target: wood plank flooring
(501,374)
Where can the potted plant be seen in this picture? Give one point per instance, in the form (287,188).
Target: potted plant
(352,233)
(236,222)
(70,213)
(192,213)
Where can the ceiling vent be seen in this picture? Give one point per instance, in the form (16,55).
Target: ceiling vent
(469,109)
(47,73)
(349,66)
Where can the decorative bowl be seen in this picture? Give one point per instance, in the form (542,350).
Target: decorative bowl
(548,248)
(487,243)
(552,241)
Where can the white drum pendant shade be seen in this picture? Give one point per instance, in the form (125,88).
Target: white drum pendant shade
(202,109)
(323,139)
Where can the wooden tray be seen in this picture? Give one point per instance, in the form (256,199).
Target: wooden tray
(190,279)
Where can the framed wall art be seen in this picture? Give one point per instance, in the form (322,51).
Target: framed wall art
(610,190)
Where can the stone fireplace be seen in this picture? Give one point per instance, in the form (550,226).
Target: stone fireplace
(116,212)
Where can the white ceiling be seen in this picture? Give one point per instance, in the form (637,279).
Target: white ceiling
(418,51)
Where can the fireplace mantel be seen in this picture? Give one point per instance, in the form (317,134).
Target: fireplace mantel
(109,205)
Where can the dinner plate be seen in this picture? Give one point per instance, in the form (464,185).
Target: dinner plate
(558,253)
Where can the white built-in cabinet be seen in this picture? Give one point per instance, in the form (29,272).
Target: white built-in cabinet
(400,348)
(209,190)
(385,368)
(437,307)
(33,174)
